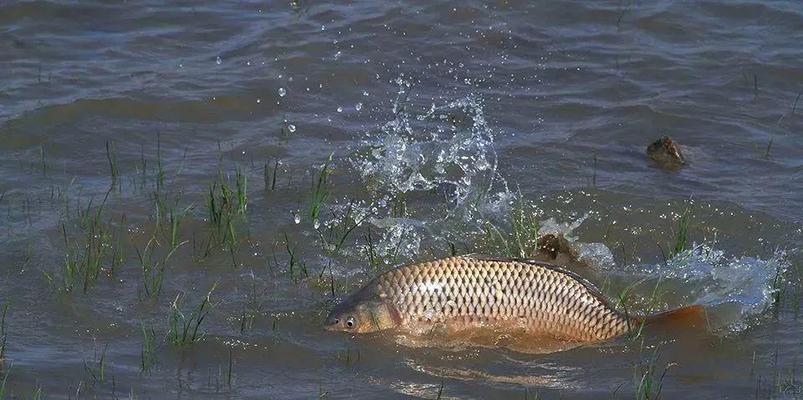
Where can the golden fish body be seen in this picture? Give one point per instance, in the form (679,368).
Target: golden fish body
(463,293)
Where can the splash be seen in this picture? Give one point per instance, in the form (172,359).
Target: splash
(744,286)
(447,152)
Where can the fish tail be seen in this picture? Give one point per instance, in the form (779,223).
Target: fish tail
(693,316)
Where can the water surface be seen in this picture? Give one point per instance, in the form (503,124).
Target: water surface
(437,118)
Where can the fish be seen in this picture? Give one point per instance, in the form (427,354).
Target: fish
(462,294)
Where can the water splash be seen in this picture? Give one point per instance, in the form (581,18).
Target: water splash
(743,285)
(446,151)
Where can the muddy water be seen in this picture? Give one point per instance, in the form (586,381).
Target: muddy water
(437,118)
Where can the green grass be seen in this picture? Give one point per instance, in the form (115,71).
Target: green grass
(226,207)
(521,238)
(111,156)
(148,352)
(648,379)
(270,176)
(295,267)
(175,219)
(183,327)
(681,236)
(320,190)
(153,273)
(96,246)
(97,371)
(6,373)
(3,334)
(524,228)
(241,183)
(333,235)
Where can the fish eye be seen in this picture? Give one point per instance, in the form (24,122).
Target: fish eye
(350,322)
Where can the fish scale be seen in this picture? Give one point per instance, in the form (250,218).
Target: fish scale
(467,292)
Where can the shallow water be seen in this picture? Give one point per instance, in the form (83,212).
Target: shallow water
(437,118)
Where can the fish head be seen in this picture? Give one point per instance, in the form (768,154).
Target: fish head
(362,316)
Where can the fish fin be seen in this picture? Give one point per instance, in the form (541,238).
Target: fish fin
(693,316)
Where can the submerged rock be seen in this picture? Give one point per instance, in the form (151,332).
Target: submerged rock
(666,152)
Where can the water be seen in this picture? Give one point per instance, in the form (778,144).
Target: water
(438,119)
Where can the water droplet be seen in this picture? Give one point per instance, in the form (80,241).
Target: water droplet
(340,109)
(316,224)
(219,60)
(259,101)
(291,128)
(358,107)
(297,218)
(338,54)
(282,92)
(365,93)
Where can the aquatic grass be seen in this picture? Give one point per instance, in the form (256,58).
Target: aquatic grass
(320,189)
(6,372)
(333,235)
(153,272)
(370,249)
(527,395)
(98,371)
(175,218)
(270,176)
(648,383)
(293,262)
(624,298)
(225,207)
(160,172)
(681,235)
(241,183)
(111,156)
(347,357)
(398,205)
(524,227)
(86,256)
(182,327)
(148,352)
(43,160)
(3,334)
(521,239)
(230,370)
